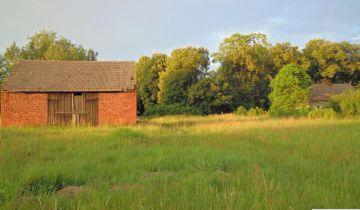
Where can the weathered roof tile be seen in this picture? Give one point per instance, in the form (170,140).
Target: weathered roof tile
(71,76)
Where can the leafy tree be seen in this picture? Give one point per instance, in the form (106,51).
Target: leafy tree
(11,56)
(290,90)
(46,45)
(174,87)
(203,95)
(336,62)
(184,68)
(148,70)
(283,54)
(243,76)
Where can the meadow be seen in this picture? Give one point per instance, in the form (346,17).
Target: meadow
(213,162)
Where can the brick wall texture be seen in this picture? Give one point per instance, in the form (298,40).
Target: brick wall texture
(19,109)
(117,108)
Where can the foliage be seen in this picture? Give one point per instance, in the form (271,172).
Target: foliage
(347,103)
(283,54)
(336,62)
(290,90)
(243,76)
(255,111)
(46,45)
(184,68)
(173,109)
(326,113)
(147,76)
(245,66)
(203,95)
(242,111)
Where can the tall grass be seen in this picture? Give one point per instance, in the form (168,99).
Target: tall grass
(213,162)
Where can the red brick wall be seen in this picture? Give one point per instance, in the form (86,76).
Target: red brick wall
(24,109)
(117,108)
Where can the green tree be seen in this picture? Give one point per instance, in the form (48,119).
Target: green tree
(283,54)
(184,68)
(203,95)
(243,76)
(290,90)
(336,62)
(11,56)
(147,73)
(46,45)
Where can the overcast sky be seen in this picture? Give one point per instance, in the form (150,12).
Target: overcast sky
(127,29)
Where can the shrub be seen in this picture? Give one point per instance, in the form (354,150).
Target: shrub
(256,111)
(326,113)
(290,90)
(241,111)
(173,109)
(347,103)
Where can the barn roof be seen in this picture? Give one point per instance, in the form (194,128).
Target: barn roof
(320,94)
(71,76)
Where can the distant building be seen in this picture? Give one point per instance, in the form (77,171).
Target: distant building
(69,93)
(320,94)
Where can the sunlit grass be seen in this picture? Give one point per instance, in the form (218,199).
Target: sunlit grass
(184,162)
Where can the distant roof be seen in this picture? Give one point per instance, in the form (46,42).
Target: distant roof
(71,76)
(320,94)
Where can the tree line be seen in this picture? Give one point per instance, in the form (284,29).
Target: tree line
(183,82)
(247,63)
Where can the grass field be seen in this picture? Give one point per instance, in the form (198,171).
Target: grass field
(214,162)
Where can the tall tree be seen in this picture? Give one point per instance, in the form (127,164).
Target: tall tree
(11,56)
(336,62)
(243,75)
(147,73)
(283,54)
(184,68)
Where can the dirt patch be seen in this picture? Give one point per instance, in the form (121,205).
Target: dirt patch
(71,190)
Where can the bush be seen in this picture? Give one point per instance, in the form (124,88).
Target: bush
(241,111)
(256,111)
(173,109)
(290,90)
(326,113)
(347,103)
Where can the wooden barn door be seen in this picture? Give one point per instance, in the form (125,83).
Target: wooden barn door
(60,109)
(72,109)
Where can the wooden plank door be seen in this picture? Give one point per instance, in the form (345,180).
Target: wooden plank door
(73,109)
(59,108)
(78,109)
(91,108)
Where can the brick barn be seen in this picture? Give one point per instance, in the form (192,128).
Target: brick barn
(69,93)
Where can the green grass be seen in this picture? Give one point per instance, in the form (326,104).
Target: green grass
(214,162)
